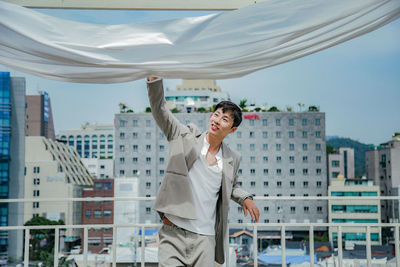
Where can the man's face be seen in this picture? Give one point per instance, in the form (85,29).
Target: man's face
(221,123)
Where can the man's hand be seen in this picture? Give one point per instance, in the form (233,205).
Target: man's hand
(250,207)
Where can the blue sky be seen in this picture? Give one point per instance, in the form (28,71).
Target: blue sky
(357,83)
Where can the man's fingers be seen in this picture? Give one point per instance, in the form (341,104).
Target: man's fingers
(245,211)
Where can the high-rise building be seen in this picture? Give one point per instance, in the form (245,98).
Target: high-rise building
(341,163)
(54,170)
(12,134)
(354,211)
(383,166)
(91,140)
(98,212)
(283,154)
(39,116)
(194,95)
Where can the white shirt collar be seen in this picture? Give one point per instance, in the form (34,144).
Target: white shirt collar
(218,156)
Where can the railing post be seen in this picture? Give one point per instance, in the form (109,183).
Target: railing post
(114,247)
(142,248)
(255,245)
(56,245)
(311,234)
(85,246)
(340,248)
(26,255)
(397,245)
(227,255)
(283,245)
(368,247)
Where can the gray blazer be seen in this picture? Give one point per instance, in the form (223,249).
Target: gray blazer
(185,143)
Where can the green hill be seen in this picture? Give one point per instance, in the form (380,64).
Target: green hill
(359,152)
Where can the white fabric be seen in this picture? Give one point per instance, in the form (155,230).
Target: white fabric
(224,45)
(205,183)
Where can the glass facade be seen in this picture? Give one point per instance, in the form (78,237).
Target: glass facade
(5,135)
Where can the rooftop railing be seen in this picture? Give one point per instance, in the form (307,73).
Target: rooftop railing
(255,226)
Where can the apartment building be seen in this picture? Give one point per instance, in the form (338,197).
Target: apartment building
(39,116)
(341,163)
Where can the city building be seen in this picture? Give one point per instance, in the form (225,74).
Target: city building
(341,163)
(91,140)
(283,154)
(39,116)
(12,154)
(98,212)
(354,211)
(383,166)
(54,170)
(100,168)
(195,95)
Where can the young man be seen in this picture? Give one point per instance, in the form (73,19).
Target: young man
(201,177)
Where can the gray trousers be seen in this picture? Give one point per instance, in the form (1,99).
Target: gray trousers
(179,247)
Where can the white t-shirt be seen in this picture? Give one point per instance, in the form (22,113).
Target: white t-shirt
(205,183)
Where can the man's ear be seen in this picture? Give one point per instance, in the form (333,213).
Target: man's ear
(233,129)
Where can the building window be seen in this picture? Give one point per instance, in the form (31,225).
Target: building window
(266,209)
(148,185)
(102,167)
(318,159)
(319,209)
(291,146)
(107,213)
(265,147)
(107,186)
(240,209)
(98,186)
(252,134)
(240,171)
(148,123)
(161,172)
(304,134)
(252,171)
(239,134)
(97,213)
(239,147)
(291,171)
(305,184)
(88,213)
(252,159)
(35,205)
(317,121)
(265,159)
(292,184)
(305,158)
(161,160)
(36,169)
(335,163)
(317,134)
(318,171)
(135,135)
(135,172)
(36,181)
(240,221)
(161,148)
(121,172)
(304,122)
(291,159)
(135,123)
(252,147)
(122,148)
(148,172)
(319,184)
(292,209)
(148,147)
(122,123)
(265,134)
(264,122)
(135,160)
(317,146)
(251,122)
(148,160)
(36,193)
(291,134)
(335,174)
(278,122)
(306,209)
(239,183)
(122,160)
(265,183)
(278,147)
(305,171)
(265,171)
(305,147)
(148,135)
(278,184)
(278,159)
(122,135)
(252,183)
(278,171)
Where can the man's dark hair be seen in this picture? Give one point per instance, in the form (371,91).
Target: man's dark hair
(236,111)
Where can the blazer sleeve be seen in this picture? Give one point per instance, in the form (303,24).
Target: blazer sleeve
(167,122)
(238,194)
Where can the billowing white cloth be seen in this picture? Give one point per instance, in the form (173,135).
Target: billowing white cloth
(218,46)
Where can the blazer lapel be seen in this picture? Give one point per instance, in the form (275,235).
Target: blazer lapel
(196,150)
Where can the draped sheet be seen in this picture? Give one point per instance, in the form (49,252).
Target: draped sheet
(218,46)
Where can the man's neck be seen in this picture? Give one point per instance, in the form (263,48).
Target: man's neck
(214,144)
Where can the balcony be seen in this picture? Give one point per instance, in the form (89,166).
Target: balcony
(282,252)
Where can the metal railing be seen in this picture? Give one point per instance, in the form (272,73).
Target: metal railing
(254,226)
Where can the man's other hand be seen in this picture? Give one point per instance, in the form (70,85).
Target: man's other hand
(250,207)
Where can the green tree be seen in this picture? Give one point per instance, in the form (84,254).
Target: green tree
(273,109)
(243,103)
(330,149)
(289,109)
(130,111)
(148,110)
(42,239)
(257,109)
(201,110)
(313,109)
(174,110)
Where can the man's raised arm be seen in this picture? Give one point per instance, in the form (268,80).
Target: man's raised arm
(167,122)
